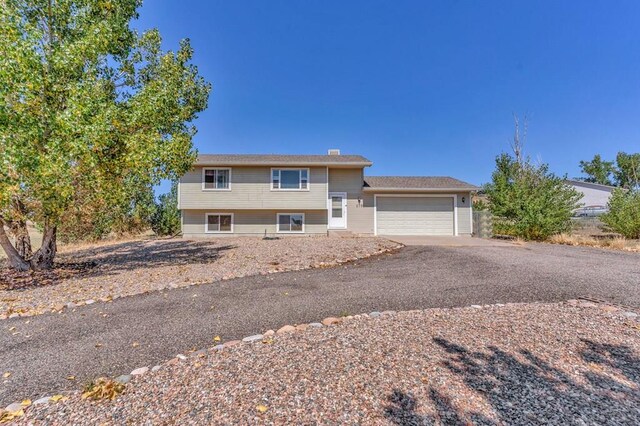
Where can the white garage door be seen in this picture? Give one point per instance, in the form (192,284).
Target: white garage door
(415,215)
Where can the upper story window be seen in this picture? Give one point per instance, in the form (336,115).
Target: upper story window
(290,179)
(216,179)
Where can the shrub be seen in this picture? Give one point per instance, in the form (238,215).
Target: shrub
(528,201)
(624,213)
(166,218)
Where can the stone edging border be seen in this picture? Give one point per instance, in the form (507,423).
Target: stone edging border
(327,322)
(59,308)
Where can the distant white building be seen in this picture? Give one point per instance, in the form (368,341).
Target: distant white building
(593,194)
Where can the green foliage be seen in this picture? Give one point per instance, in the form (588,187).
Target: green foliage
(625,172)
(624,213)
(90,110)
(480,205)
(628,170)
(598,171)
(166,218)
(528,201)
(91,218)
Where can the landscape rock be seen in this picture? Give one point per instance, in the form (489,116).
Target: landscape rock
(630,314)
(254,338)
(388,312)
(232,343)
(89,302)
(286,329)
(316,325)
(43,400)
(218,347)
(12,408)
(139,371)
(374,314)
(181,357)
(124,379)
(14,315)
(330,321)
(302,327)
(155,368)
(476,306)
(269,333)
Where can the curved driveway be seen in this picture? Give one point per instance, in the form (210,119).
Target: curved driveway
(114,338)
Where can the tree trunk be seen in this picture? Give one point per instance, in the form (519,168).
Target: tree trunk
(22,240)
(43,258)
(15,260)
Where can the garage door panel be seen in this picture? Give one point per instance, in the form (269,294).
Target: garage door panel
(415,215)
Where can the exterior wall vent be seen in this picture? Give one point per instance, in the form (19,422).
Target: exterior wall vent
(334,152)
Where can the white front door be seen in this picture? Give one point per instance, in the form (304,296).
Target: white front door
(337,206)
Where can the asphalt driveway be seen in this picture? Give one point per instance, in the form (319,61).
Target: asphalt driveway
(43,352)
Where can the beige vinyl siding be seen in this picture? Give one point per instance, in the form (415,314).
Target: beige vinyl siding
(252,222)
(359,206)
(415,215)
(251,189)
(464,213)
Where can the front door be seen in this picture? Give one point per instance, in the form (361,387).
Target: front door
(337,205)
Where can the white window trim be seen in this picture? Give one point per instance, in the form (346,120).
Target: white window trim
(206,223)
(304,222)
(453,196)
(204,169)
(299,181)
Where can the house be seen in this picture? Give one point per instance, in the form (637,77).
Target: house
(316,195)
(594,195)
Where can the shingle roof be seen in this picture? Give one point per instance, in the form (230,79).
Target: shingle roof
(277,160)
(416,182)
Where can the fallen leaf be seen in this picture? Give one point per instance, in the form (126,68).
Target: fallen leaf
(7,374)
(26,403)
(262,408)
(6,416)
(56,398)
(135,344)
(71,377)
(216,339)
(98,345)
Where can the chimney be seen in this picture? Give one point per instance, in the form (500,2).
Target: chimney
(334,152)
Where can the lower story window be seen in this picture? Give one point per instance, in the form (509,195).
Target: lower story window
(290,222)
(219,222)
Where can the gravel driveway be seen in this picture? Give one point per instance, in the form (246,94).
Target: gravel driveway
(109,339)
(559,365)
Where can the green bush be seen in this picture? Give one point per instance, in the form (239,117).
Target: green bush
(166,218)
(528,201)
(624,213)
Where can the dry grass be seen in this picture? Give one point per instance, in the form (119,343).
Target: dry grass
(616,243)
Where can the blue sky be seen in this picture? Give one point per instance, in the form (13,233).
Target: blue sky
(420,88)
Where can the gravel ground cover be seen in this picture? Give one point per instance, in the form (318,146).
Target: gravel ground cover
(513,364)
(107,271)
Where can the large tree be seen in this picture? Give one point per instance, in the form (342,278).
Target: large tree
(628,170)
(598,171)
(624,172)
(86,103)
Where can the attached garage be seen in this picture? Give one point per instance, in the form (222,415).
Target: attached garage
(415,215)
